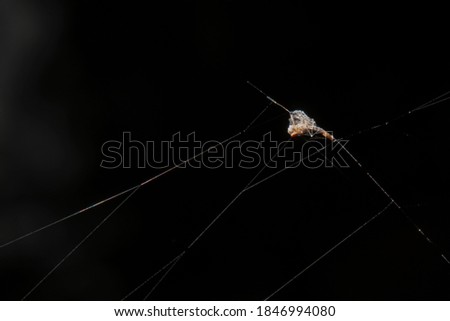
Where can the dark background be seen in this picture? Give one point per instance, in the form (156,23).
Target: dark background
(74,74)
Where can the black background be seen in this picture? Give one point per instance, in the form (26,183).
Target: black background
(76,74)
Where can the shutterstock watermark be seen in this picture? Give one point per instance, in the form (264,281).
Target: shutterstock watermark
(188,151)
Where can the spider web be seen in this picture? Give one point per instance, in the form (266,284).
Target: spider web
(166,269)
(72,77)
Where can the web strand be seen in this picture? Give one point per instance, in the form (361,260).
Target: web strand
(153,275)
(419,230)
(268,97)
(164,276)
(432,102)
(78,245)
(391,199)
(328,251)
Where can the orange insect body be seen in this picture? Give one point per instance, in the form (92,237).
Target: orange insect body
(300,125)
